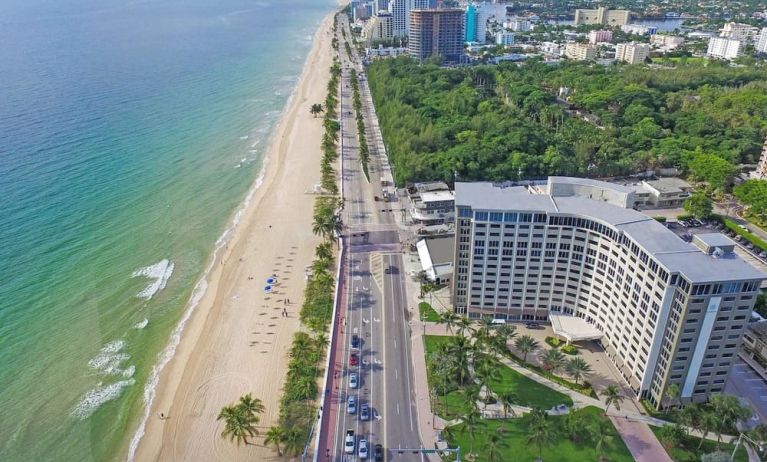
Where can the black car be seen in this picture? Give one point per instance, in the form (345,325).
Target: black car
(355,342)
(378,453)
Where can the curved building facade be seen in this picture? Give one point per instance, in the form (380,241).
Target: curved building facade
(668,311)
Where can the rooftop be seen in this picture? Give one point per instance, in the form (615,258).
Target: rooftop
(441,249)
(672,252)
(758,328)
(669,185)
(437,196)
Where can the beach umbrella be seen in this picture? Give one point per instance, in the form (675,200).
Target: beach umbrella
(271,280)
(267,289)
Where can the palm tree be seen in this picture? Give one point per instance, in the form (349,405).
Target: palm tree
(322,340)
(487,373)
(612,397)
(507,331)
(728,412)
(493,447)
(507,399)
(540,430)
(324,251)
(578,368)
(449,319)
(315,109)
(708,422)
(238,424)
(251,406)
(671,394)
(460,348)
(573,425)
(464,326)
(526,344)
(471,425)
(275,436)
(600,432)
(294,441)
(470,398)
(553,360)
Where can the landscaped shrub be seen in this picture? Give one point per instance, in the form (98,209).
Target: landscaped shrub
(570,350)
(553,342)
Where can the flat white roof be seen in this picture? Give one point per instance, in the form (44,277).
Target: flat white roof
(437,196)
(573,328)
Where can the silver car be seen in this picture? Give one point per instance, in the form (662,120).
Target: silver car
(362,452)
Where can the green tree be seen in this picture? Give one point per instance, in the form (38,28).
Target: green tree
(671,394)
(275,436)
(712,169)
(449,319)
(699,205)
(526,344)
(238,424)
(507,399)
(315,109)
(728,412)
(470,424)
(540,431)
(464,326)
(294,441)
(493,447)
(753,194)
(324,251)
(553,360)
(613,397)
(600,432)
(672,435)
(573,424)
(578,368)
(253,407)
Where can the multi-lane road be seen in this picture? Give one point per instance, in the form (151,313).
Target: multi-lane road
(372,307)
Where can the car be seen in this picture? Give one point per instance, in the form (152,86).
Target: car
(378,453)
(355,342)
(354,360)
(362,453)
(354,381)
(533,325)
(364,412)
(738,238)
(388,270)
(351,405)
(349,442)
(763,254)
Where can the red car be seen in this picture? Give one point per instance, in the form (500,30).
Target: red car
(353,360)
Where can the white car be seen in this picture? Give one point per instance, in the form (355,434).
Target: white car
(349,442)
(362,453)
(354,380)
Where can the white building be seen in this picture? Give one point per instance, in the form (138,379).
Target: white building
(581,51)
(488,13)
(668,42)
(723,48)
(761,41)
(517,25)
(550,48)
(504,38)
(379,27)
(638,29)
(602,15)
(436,256)
(736,31)
(600,36)
(573,250)
(632,52)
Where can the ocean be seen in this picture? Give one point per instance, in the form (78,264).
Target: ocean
(131,133)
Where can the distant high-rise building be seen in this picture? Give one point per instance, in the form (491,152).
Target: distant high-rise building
(488,12)
(761,41)
(602,16)
(761,169)
(417,5)
(436,32)
(399,17)
(580,51)
(723,48)
(639,29)
(518,25)
(504,38)
(378,28)
(737,31)
(471,23)
(380,5)
(666,41)
(599,36)
(632,52)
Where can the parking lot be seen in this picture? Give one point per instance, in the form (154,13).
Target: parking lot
(744,383)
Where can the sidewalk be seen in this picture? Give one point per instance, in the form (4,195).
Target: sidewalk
(640,440)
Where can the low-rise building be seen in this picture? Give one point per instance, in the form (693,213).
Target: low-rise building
(632,52)
(504,38)
(518,25)
(432,203)
(666,192)
(754,348)
(723,48)
(638,29)
(581,51)
(602,15)
(668,42)
(550,48)
(436,255)
(600,36)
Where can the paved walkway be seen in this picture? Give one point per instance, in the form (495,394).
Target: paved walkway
(640,440)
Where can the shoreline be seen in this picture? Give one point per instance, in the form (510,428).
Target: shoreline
(198,357)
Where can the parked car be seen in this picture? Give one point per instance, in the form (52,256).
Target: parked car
(378,454)
(533,325)
(355,342)
(354,360)
(364,412)
(363,448)
(351,405)
(349,442)
(738,238)
(354,380)
(763,254)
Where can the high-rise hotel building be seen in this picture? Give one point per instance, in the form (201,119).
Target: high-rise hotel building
(668,311)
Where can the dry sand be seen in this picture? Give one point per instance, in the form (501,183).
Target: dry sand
(236,341)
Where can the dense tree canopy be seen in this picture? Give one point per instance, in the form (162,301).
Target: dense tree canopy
(504,122)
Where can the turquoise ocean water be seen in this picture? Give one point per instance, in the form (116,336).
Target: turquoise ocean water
(130,134)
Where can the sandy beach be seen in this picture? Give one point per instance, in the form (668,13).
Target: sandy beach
(237,341)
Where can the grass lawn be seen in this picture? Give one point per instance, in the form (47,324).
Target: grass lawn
(514,445)
(427,312)
(528,392)
(689,451)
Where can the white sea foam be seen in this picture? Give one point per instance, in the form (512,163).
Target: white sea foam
(244,137)
(159,273)
(141,324)
(129,371)
(99,395)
